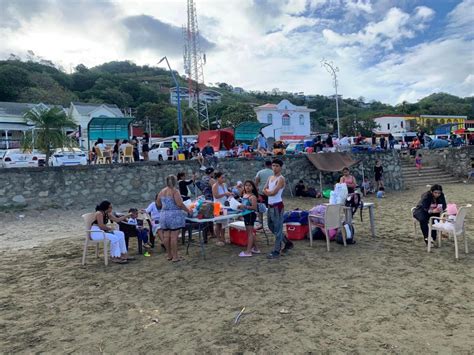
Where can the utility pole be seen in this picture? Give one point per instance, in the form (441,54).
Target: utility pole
(180,119)
(332,69)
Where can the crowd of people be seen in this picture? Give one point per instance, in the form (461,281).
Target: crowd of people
(168,212)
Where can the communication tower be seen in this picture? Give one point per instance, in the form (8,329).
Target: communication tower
(194,60)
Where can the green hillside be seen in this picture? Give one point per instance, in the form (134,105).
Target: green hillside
(145,90)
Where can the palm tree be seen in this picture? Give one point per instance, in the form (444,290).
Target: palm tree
(49,132)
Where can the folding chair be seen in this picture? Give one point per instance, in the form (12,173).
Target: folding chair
(458,229)
(332,219)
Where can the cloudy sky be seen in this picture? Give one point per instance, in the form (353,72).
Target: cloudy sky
(388,50)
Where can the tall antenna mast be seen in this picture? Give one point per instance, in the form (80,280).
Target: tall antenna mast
(194,60)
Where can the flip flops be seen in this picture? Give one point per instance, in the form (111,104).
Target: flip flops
(256,251)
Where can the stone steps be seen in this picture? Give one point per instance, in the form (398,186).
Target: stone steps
(429,175)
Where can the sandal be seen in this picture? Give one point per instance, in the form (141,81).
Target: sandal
(220,243)
(177,260)
(256,251)
(130,258)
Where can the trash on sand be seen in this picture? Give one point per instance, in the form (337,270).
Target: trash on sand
(237,318)
(284,311)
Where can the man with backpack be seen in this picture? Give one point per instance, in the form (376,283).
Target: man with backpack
(274,189)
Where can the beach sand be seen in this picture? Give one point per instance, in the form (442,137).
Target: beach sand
(381,295)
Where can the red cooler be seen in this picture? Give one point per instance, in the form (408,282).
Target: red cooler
(238,234)
(296,231)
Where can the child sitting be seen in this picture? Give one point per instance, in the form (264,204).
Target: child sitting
(142,233)
(381,192)
(367,187)
(300,189)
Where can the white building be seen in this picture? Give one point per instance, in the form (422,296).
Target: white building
(208,96)
(12,123)
(394,124)
(82,113)
(288,122)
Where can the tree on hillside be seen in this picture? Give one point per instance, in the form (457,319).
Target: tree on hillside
(233,115)
(49,133)
(13,80)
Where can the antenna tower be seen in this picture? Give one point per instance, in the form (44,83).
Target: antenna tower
(194,60)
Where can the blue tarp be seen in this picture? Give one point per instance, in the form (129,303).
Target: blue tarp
(438,143)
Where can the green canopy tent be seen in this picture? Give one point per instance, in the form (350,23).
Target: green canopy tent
(248,131)
(108,128)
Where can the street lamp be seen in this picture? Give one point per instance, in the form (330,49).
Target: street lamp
(180,120)
(332,69)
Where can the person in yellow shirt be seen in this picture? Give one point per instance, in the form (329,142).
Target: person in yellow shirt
(175,148)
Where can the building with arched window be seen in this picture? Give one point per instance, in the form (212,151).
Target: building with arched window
(287,121)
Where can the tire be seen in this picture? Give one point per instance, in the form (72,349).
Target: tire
(160,158)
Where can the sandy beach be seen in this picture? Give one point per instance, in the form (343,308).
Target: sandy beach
(381,295)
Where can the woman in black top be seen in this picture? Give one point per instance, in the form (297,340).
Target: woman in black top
(136,153)
(145,145)
(432,203)
(183,185)
(115,151)
(378,170)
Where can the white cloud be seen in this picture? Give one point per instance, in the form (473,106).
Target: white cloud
(260,48)
(360,5)
(461,18)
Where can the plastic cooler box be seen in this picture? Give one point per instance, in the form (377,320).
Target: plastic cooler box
(296,231)
(238,234)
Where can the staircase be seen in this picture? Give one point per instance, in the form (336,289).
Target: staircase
(429,175)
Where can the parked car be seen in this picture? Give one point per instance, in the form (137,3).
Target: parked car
(160,151)
(67,157)
(295,148)
(18,158)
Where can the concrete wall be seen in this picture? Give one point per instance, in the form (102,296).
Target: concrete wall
(138,183)
(457,161)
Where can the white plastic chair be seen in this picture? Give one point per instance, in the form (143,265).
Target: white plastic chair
(332,219)
(88,219)
(415,223)
(459,229)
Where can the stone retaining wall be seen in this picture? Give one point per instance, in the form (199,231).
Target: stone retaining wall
(63,187)
(457,161)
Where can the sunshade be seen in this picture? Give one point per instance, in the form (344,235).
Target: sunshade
(332,162)
(248,131)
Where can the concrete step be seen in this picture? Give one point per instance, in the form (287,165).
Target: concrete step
(423,174)
(431,182)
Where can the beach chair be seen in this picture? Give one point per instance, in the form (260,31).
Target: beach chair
(99,156)
(459,229)
(332,219)
(88,219)
(127,154)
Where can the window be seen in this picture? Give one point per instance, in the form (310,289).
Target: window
(301,120)
(388,125)
(401,124)
(285,120)
(270,118)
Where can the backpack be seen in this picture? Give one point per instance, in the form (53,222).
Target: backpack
(354,201)
(349,232)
